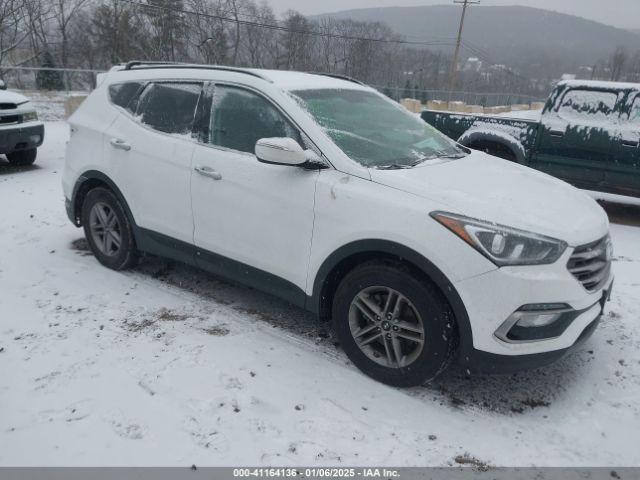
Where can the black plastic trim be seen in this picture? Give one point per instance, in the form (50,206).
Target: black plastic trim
(553,330)
(146,65)
(158,244)
(96,175)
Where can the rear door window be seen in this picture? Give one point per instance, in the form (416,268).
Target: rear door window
(169,107)
(588,105)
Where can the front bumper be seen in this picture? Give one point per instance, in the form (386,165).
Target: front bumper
(477,361)
(21,137)
(493,297)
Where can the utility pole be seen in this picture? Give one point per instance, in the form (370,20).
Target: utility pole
(456,54)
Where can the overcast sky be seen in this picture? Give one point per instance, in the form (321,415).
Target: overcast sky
(620,13)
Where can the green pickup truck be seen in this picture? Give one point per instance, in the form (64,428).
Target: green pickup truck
(588,134)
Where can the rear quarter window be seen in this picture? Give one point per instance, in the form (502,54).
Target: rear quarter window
(124,94)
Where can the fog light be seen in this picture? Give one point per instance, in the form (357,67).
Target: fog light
(34,138)
(533,320)
(536,322)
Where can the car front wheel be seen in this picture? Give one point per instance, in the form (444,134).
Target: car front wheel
(108,230)
(395,327)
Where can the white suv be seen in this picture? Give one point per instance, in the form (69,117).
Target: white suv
(324,192)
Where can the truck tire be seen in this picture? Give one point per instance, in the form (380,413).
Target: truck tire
(22,157)
(395,327)
(496,149)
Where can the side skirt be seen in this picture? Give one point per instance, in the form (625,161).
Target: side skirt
(163,246)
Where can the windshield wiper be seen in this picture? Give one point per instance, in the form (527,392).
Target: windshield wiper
(394,166)
(439,155)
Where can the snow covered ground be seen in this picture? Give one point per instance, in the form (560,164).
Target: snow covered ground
(167,365)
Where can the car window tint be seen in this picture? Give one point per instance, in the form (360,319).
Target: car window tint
(635,112)
(169,107)
(588,105)
(124,94)
(240,118)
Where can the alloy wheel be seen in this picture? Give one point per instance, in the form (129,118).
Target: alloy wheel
(386,327)
(105,229)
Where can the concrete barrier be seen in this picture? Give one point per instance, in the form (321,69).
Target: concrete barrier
(475,109)
(436,105)
(72,103)
(459,107)
(412,105)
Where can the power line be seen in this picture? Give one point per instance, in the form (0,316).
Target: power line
(442,42)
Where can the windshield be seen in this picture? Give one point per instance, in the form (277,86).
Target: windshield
(374,131)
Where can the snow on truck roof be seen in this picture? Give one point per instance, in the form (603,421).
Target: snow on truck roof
(600,84)
(284,79)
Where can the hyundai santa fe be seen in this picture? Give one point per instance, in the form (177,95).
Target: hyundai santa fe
(320,190)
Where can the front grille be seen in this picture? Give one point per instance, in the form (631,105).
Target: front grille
(591,264)
(7,119)
(8,106)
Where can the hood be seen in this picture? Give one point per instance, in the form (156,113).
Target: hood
(488,188)
(12,97)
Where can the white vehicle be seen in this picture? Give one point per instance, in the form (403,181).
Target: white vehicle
(20,131)
(324,192)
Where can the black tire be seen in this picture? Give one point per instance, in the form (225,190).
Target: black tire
(440,339)
(495,149)
(126,255)
(22,157)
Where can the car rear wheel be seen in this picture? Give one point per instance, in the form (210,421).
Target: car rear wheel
(22,157)
(108,230)
(395,327)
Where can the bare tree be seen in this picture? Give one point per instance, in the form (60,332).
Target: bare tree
(14,30)
(617,63)
(64,12)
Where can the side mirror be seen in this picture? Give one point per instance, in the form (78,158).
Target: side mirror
(3,86)
(280,151)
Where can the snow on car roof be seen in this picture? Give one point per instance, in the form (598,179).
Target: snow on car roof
(291,81)
(600,84)
(284,79)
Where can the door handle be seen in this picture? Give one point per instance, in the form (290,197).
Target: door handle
(556,133)
(631,143)
(208,172)
(120,144)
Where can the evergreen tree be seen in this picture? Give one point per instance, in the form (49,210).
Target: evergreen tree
(49,79)
(408,91)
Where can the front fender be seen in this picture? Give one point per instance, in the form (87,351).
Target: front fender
(485,135)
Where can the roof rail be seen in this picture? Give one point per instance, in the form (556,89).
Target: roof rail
(146,65)
(340,77)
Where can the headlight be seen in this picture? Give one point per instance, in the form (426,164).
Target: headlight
(503,245)
(29,116)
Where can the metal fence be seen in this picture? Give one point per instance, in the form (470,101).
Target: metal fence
(486,99)
(74,80)
(61,79)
